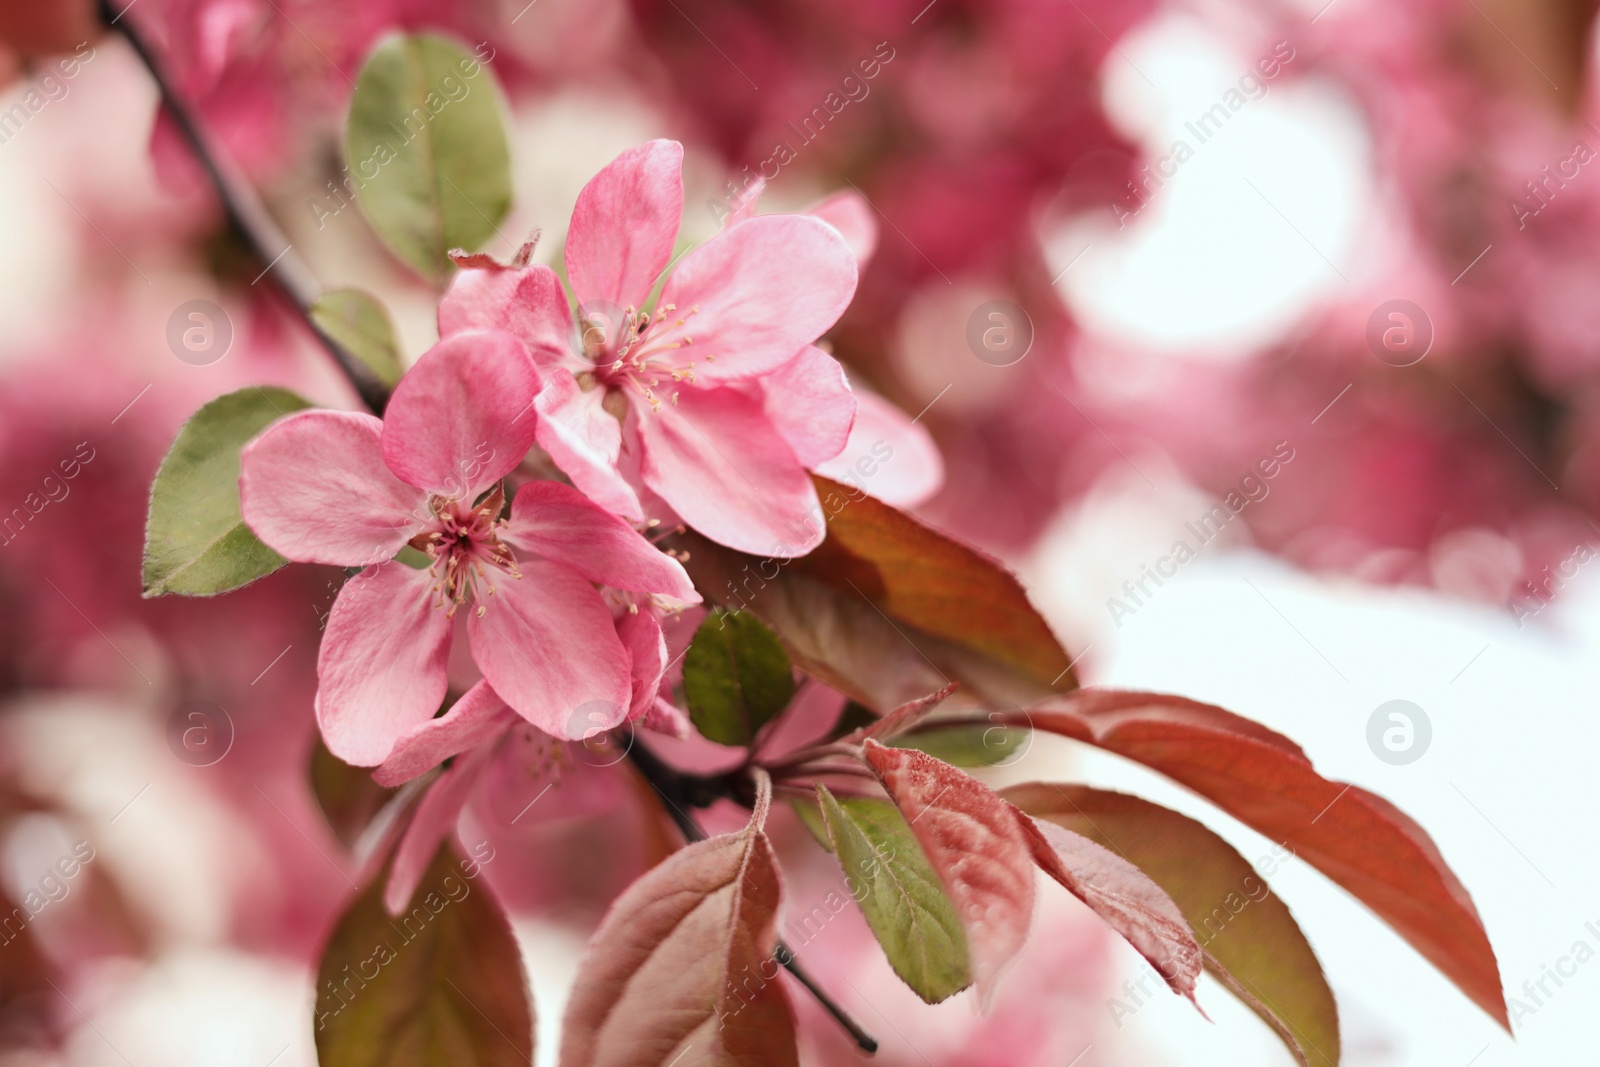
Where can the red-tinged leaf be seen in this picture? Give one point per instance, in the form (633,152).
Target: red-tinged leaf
(975,843)
(681,972)
(1123,896)
(887,609)
(441,983)
(917,575)
(1251,942)
(1357,838)
(905,717)
(347,795)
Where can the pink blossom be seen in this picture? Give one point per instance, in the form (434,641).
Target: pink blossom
(716,403)
(352,490)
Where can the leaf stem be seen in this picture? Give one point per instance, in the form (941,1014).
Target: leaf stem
(678,792)
(247,214)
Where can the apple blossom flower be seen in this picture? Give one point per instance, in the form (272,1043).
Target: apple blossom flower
(717,401)
(352,490)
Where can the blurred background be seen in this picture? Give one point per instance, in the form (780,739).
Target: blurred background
(1132,257)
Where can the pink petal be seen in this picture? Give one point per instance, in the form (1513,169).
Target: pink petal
(463,415)
(809,402)
(848,212)
(624,224)
(754,295)
(547,644)
(719,463)
(888,455)
(315,488)
(435,820)
(641,635)
(528,302)
(585,440)
(564,526)
(478,716)
(381,671)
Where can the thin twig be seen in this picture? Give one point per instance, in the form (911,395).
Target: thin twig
(248,215)
(678,793)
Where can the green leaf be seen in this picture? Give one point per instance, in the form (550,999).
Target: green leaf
(967,744)
(736,677)
(347,795)
(426,146)
(196,544)
(361,324)
(442,983)
(811,818)
(900,894)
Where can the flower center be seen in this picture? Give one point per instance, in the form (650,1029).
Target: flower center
(462,540)
(638,352)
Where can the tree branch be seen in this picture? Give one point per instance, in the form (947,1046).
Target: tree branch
(249,216)
(255,225)
(679,792)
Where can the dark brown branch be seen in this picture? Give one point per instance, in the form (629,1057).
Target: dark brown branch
(679,793)
(248,215)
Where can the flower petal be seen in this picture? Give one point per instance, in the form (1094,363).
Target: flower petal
(478,716)
(888,455)
(435,820)
(641,635)
(848,212)
(719,463)
(624,224)
(585,441)
(463,415)
(528,302)
(809,401)
(315,489)
(547,644)
(755,294)
(562,525)
(381,671)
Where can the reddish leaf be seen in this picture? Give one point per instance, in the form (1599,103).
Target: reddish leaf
(975,843)
(442,983)
(682,971)
(1357,838)
(905,717)
(1123,896)
(347,795)
(1250,940)
(887,609)
(920,576)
